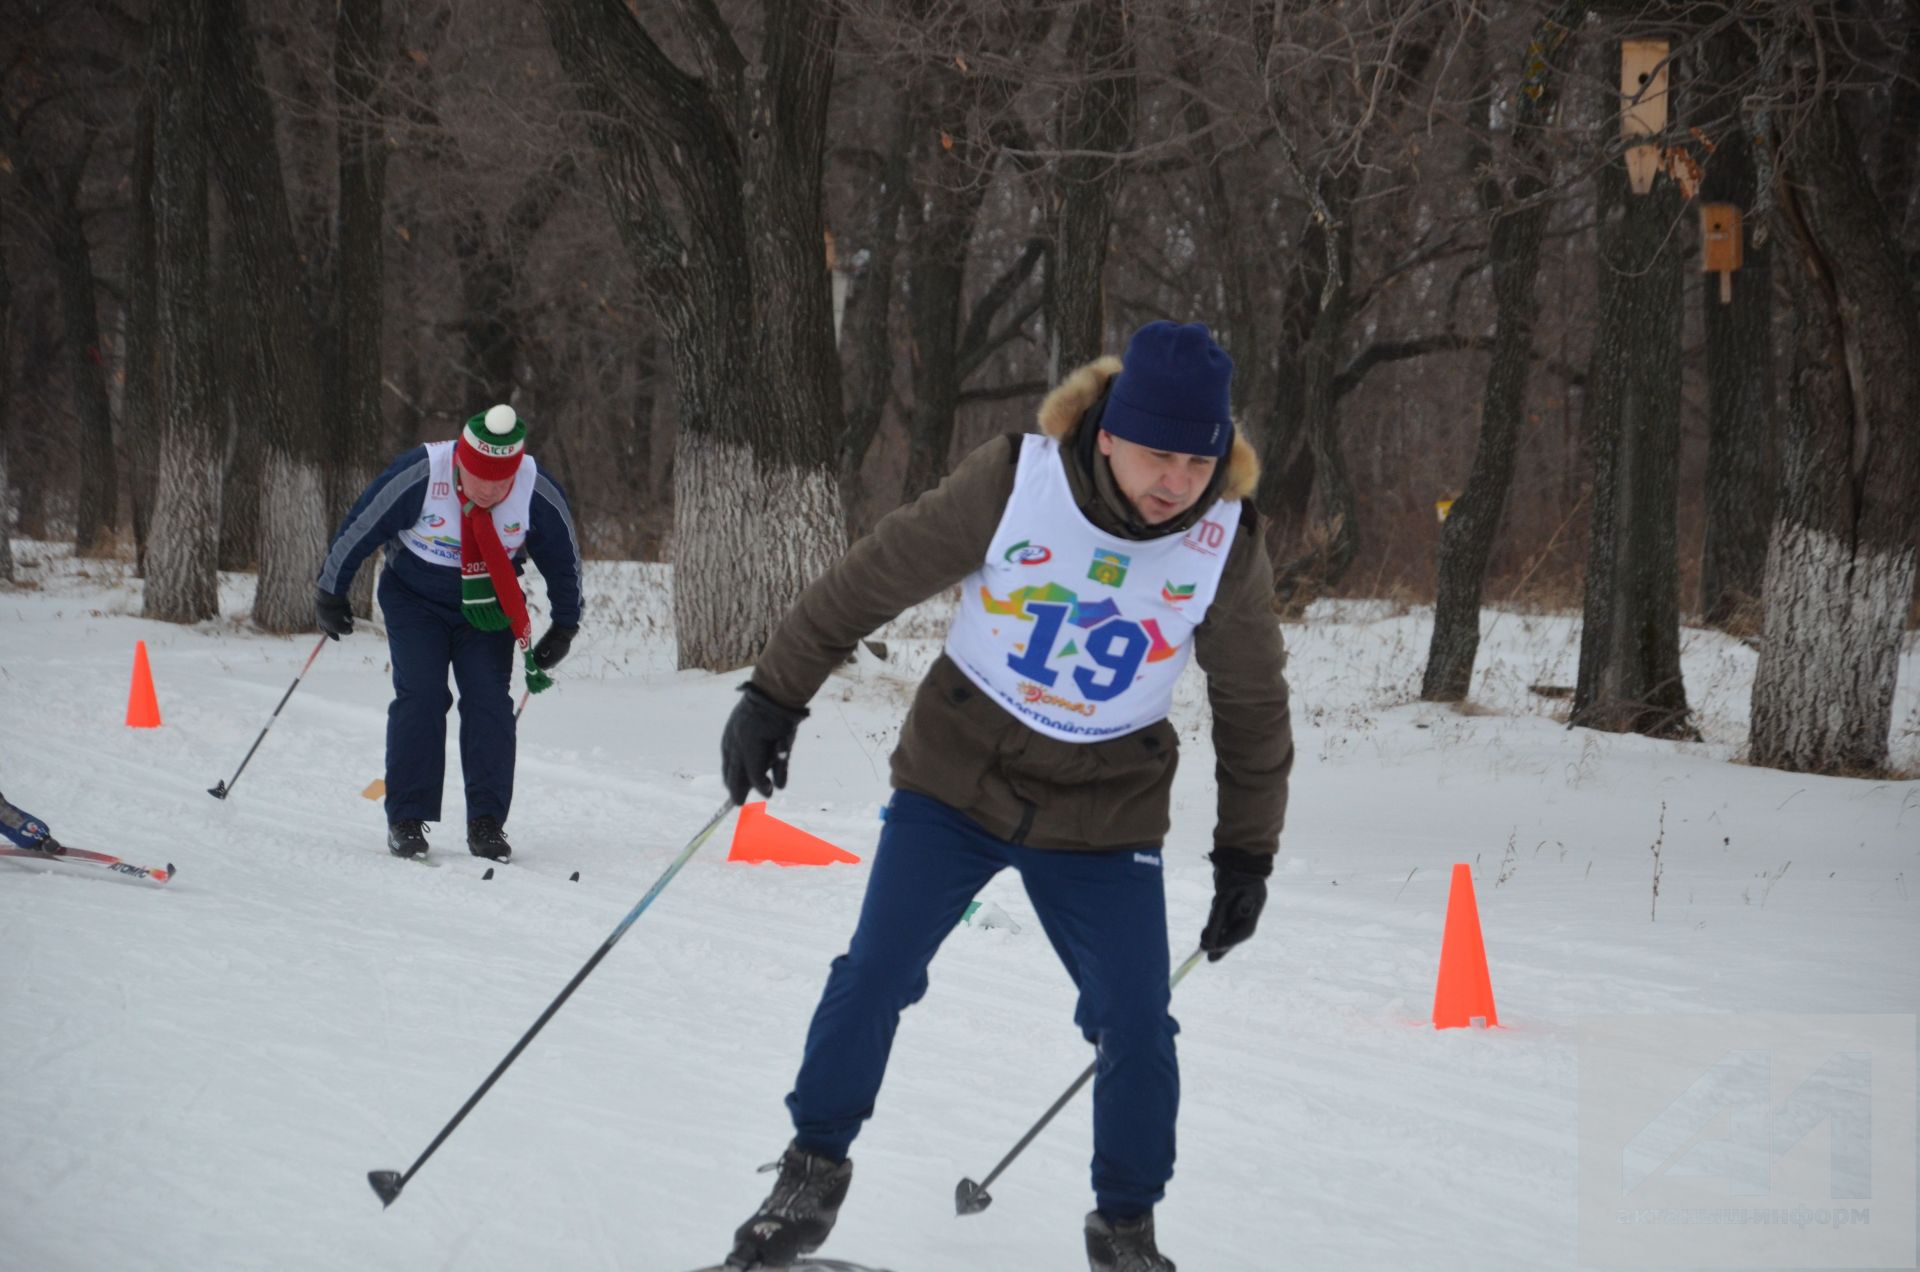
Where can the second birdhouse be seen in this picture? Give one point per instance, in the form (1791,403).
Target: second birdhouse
(1722,245)
(1643,106)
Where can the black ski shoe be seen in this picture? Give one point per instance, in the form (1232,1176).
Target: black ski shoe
(797,1215)
(1123,1245)
(407,837)
(486,837)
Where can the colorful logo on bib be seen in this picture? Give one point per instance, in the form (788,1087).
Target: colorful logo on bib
(1028,553)
(1109,568)
(433,521)
(511,528)
(1174,594)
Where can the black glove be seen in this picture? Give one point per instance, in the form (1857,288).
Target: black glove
(551,648)
(756,744)
(1239,894)
(333,613)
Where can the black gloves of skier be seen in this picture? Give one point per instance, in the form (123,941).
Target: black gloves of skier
(551,648)
(333,613)
(756,744)
(1239,894)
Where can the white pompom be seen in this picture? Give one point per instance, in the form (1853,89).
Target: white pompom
(501,419)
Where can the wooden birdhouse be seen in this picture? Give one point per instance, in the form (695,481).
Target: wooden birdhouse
(1722,245)
(1643,106)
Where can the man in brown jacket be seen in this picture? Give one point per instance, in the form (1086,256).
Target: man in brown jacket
(1093,558)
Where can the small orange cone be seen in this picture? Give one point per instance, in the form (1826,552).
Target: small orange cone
(758,837)
(143,709)
(1465,991)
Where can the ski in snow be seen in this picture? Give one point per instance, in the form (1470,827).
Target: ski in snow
(804,1265)
(80,856)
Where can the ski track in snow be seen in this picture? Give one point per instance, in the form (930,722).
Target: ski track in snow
(201,1074)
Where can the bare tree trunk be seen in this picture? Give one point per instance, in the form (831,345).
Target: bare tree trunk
(140,409)
(30,453)
(361,145)
(6,411)
(1840,566)
(280,326)
(735,268)
(1095,129)
(52,193)
(867,343)
(1309,446)
(1629,680)
(943,218)
(97,507)
(1332,546)
(641,441)
(1240,326)
(182,584)
(238,383)
(491,326)
(1513,254)
(1739,364)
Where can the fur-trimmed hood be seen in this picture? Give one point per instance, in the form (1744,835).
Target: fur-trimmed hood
(1068,403)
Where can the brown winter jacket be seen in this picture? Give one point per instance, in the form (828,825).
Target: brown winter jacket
(965,750)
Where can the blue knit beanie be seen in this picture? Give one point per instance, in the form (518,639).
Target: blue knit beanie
(1173,392)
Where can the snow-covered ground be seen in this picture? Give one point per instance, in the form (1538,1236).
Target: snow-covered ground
(199,1076)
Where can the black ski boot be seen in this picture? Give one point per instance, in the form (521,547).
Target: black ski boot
(1123,1245)
(407,837)
(486,837)
(797,1215)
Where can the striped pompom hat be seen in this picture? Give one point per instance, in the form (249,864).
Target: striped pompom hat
(492,443)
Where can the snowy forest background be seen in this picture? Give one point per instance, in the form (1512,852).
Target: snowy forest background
(757,272)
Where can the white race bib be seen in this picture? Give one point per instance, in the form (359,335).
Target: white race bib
(435,537)
(1080,633)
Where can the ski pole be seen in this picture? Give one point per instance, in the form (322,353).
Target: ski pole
(970,1198)
(523,703)
(221,789)
(387,1183)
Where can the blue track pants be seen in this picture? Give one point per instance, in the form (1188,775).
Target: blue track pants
(426,638)
(1106,915)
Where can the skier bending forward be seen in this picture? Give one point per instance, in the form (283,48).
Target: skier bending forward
(1094,558)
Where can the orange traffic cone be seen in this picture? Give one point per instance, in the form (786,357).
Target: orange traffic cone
(758,837)
(1465,991)
(143,709)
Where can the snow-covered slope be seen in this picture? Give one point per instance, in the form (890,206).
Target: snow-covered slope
(199,1076)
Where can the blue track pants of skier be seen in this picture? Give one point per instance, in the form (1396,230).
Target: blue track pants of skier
(1106,915)
(426,638)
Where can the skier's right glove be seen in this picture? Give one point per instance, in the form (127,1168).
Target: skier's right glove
(1239,894)
(333,613)
(757,741)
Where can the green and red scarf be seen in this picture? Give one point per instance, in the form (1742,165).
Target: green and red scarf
(490,448)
